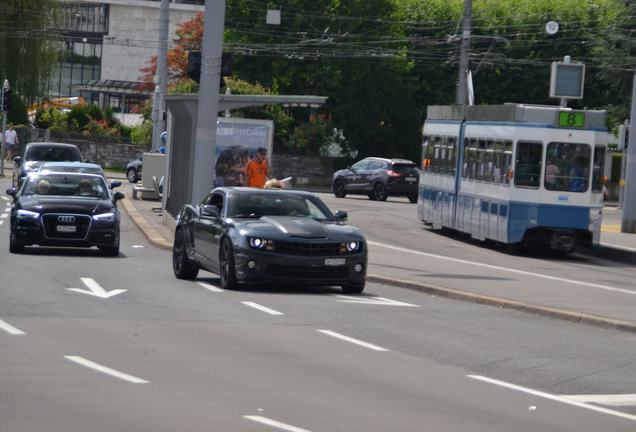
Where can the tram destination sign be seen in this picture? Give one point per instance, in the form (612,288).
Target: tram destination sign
(572,119)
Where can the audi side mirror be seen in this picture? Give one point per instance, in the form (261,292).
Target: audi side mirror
(118,196)
(115,184)
(341,215)
(17,160)
(210,211)
(12,191)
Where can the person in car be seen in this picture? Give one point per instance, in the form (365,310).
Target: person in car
(85,188)
(44,187)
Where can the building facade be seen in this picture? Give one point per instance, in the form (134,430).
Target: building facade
(105,43)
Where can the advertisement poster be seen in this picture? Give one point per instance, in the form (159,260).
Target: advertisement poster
(236,143)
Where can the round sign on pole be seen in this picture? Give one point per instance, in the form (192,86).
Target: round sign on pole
(551,27)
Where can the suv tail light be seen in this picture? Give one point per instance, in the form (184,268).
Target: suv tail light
(392,173)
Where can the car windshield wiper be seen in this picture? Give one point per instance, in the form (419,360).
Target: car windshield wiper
(247,216)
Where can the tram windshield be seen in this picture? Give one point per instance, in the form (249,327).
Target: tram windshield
(567,167)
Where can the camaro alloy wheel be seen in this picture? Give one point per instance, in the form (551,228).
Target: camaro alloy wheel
(181,265)
(228,271)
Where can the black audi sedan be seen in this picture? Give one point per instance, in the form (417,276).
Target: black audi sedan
(64,209)
(250,236)
(378,178)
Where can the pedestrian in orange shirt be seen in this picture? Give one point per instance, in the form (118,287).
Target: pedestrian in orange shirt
(257,170)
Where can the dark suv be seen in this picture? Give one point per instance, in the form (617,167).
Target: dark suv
(37,153)
(378,178)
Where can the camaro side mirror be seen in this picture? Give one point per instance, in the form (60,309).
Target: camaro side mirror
(12,191)
(210,211)
(118,196)
(341,215)
(115,184)
(17,160)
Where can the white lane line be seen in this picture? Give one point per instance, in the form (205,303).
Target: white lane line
(380,301)
(610,400)
(556,398)
(506,269)
(210,287)
(103,369)
(352,340)
(262,308)
(4,215)
(10,329)
(5,198)
(274,423)
(1,222)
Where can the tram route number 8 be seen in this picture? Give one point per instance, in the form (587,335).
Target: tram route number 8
(572,119)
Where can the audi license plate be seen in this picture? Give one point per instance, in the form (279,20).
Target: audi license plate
(66,228)
(335,261)
(410,179)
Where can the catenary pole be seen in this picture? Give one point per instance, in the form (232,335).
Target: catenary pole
(159,107)
(5,86)
(461,97)
(628,224)
(208,110)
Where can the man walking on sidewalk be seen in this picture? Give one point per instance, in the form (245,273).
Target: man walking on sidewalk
(257,170)
(11,142)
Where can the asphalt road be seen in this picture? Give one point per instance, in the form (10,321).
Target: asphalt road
(168,355)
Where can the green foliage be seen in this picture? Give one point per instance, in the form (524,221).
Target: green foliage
(310,137)
(142,135)
(27,50)
(184,86)
(51,118)
(17,113)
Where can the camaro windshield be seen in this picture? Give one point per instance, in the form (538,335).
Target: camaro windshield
(66,185)
(277,204)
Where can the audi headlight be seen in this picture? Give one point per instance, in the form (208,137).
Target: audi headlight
(26,214)
(261,243)
(104,217)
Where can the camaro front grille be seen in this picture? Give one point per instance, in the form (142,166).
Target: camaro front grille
(309,249)
(307,272)
(52,221)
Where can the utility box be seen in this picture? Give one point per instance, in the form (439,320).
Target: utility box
(154,165)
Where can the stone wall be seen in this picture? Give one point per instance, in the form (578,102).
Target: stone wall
(109,152)
(310,171)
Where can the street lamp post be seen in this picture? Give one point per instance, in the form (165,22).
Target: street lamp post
(5,87)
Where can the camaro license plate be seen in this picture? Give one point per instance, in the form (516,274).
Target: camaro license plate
(66,228)
(335,261)
(409,179)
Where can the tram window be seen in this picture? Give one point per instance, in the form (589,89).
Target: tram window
(598,168)
(425,156)
(567,167)
(481,160)
(528,164)
(497,169)
(490,165)
(506,170)
(465,168)
(452,155)
(442,157)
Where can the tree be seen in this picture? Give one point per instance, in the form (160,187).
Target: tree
(26,49)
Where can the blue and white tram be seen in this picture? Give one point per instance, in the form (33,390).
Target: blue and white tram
(515,174)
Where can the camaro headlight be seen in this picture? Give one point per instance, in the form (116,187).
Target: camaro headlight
(104,217)
(261,243)
(26,214)
(350,246)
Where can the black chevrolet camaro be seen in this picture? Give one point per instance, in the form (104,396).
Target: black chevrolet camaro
(64,209)
(257,235)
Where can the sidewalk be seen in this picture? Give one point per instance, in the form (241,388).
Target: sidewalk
(150,222)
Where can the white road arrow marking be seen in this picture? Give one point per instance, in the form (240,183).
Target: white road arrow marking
(10,329)
(610,400)
(95,290)
(274,423)
(381,301)
(106,370)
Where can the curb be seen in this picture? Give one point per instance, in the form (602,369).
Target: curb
(609,253)
(148,231)
(576,317)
